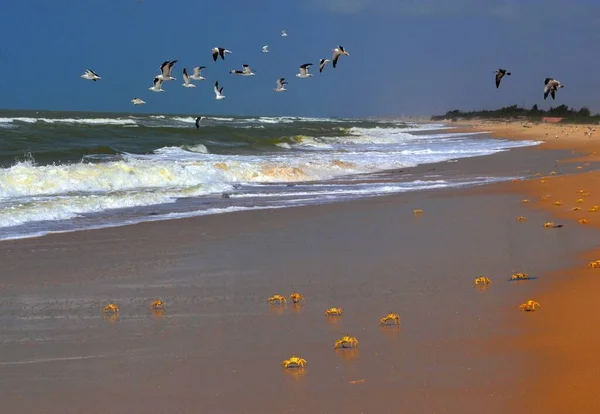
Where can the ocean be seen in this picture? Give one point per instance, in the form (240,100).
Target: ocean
(69,171)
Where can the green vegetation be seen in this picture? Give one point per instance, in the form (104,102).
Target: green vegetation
(569,115)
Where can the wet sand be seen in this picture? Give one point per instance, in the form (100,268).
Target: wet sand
(219,345)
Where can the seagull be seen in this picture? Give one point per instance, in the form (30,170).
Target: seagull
(219,51)
(218,92)
(165,70)
(283,33)
(245,72)
(197,75)
(499,75)
(157,86)
(337,52)
(137,101)
(280,87)
(552,85)
(90,75)
(198,119)
(322,64)
(304,71)
(265,49)
(186,80)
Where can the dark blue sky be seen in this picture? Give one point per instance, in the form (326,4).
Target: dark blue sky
(411,57)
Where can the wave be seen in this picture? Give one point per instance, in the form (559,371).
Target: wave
(81,121)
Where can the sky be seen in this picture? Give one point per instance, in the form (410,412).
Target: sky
(407,57)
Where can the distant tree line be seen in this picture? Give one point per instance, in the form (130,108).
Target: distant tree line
(572,115)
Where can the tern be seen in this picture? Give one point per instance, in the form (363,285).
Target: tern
(197,75)
(218,92)
(552,85)
(157,85)
(219,51)
(280,85)
(304,71)
(90,75)
(499,75)
(337,52)
(186,80)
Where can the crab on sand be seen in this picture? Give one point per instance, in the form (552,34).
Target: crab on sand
(417,211)
(296,297)
(294,362)
(111,308)
(346,342)
(519,276)
(277,299)
(595,264)
(583,221)
(158,304)
(529,306)
(521,219)
(390,317)
(334,312)
(558,203)
(482,281)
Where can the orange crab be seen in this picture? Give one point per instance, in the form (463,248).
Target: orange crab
(294,362)
(296,297)
(520,276)
(583,221)
(111,308)
(158,305)
(277,299)
(595,264)
(529,306)
(346,342)
(390,317)
(334,312)
(558,203)
(417,211)
(521,219)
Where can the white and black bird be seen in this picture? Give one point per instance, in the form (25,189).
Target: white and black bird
(219,51)
(137,101)
(218,92)
(265,49)
(322,64)
(280,85)
(499,75)
(186,80)
(90,75)
(552,85)
(246,71)
(165,70)
(337,52)
(304,71)
(197,75)
(283,33)
(157,85)
(198,119)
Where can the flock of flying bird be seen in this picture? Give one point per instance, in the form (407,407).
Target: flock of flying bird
(550,85)
(167,67)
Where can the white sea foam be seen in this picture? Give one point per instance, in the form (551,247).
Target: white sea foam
(81,121)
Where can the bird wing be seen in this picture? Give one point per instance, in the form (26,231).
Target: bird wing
(170,66)
(216,88)
(93,73)
(246,69)
(164,69)
(498,78)
(215,54)
(547,80)
(186,78)
(553,93)
(279,83)
(157,82)
(222,53)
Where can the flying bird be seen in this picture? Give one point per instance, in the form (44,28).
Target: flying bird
(322,64)
(198,119)
(157,85)
(219,51)
(304,71)
(197,75)
(283,33)
(280,85)
(246,71)
(265,49)
(337,52)
(218,92)
(186,80)
(552,85)
(165,70)
(499,75)
(137,101)
(90,75)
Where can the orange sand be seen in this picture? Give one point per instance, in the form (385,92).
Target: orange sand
(562,338)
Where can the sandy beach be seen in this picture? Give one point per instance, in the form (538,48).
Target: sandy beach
(219,345)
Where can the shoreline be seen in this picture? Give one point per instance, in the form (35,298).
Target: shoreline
(458,349)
